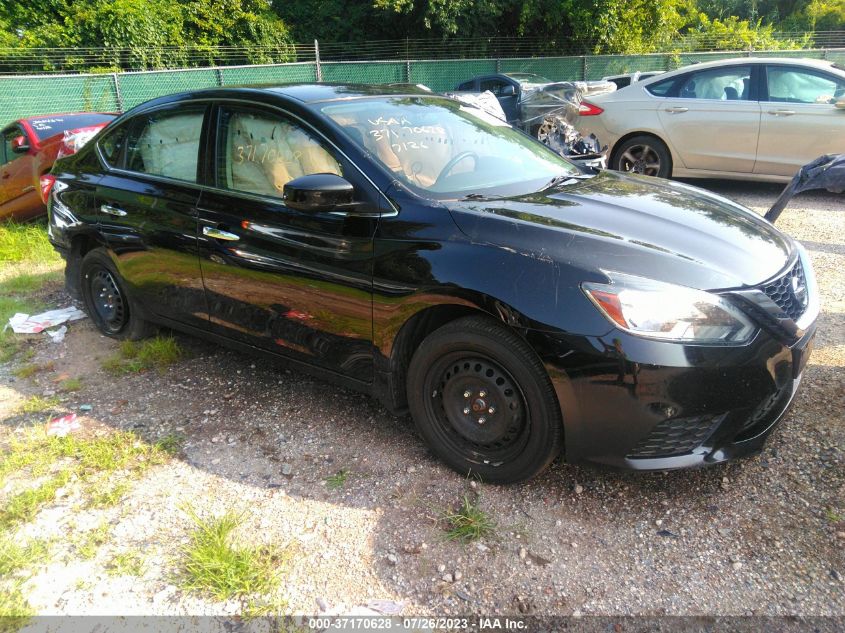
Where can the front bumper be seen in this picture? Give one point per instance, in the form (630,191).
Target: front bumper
(642,404)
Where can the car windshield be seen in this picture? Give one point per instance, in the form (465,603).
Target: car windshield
(445,149)
(529,78)
(47,126)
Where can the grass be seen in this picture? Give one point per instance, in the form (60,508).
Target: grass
(155,353)
(26,243)
(15,557)
(171,443)
(129,563)
(15,611)
(468,523)
(88,460)
(338,480)
(30,369)
(37,404)
(88,543)
(105,494)
(216,565)
(70,384)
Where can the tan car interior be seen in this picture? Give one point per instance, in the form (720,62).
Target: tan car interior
(263,154)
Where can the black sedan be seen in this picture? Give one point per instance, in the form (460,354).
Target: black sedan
(422,251)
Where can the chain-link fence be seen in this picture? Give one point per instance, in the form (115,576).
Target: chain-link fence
(32,95)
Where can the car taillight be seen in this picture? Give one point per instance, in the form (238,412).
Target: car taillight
(47,181)
(588,109)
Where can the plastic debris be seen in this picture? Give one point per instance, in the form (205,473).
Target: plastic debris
(57,336)
(85,407)
(61,427)
(25,324)
(826,172)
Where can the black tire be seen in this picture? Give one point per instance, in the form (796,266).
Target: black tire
(106,301)
(643,154)
(504,377)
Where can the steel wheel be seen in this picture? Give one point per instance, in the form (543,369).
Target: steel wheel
(108,302)
(477,408)
(640,159)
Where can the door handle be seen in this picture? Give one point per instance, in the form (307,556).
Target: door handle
(110,210)
(219,234)
(782,112)
(676,110)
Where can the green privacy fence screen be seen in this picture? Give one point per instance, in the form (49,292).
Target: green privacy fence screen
(23,96)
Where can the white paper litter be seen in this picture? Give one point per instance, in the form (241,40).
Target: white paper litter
(25,324)
(58,335)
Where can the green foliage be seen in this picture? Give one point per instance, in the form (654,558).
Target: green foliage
(155,353)
(468,523)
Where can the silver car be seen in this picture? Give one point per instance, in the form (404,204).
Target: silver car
(745,118)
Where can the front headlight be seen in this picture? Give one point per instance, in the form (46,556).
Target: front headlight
(672,313)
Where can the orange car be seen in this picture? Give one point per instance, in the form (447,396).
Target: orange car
(27,153)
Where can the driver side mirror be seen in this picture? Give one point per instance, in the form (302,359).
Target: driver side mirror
(508,91)
(319,192)
(19,145)
(840,103)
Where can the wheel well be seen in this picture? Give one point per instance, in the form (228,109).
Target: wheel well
(80,245)
(631,135)
(412,333)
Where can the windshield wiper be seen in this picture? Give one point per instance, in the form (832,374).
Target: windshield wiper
(564,179)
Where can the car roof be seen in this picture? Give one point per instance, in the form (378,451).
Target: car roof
(66,115)
(819,64)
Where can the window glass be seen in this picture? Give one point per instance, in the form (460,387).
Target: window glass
(111,146)
(802,86)
(726,84)
(260,153)
(496,86)
(661,88)
(166,143)
(447,148)
(8,136)
(467,85)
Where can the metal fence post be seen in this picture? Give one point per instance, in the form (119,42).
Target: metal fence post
(407,71)
(498,65)
(118,96)
(317,60)
(219,73)
(583,68)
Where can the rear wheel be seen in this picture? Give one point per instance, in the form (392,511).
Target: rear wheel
(644,154)
(106,301)
(483,402)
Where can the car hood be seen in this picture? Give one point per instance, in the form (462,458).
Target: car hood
(638,225)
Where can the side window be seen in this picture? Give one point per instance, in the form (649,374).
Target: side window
(113,145)
(9,135)
(260,152)
(727,84)
(662,88)
(795,85)
(493,85)
(166,143)
(467,85)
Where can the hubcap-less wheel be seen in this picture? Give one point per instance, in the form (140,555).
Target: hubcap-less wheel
(107,300)
(477,408)
(640,159)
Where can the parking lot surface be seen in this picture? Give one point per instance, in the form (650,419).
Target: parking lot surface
(762,536)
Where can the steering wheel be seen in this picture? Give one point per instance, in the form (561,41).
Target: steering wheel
(453,162)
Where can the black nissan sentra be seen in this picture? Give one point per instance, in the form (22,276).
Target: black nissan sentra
(420,250)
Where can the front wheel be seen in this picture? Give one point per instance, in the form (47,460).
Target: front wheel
(646,155)
(483,402)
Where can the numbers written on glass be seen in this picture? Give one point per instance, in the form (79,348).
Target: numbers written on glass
(401,134)
(264,153)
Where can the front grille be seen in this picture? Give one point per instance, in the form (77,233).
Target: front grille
(782,291)
(676,436)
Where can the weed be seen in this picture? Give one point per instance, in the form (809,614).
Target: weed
(171,443)
(156,353)
(129,563)
(105,495)
(88,543)
(14,556)
(337,481)
(37,404)
(23,506)
(214,564)
(25,371)
(15,611)
(70,384)
(468,523)
(26,243)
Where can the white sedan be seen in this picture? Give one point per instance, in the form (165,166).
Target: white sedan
(743,118)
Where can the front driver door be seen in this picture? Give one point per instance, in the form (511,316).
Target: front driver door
(713,119)
(292,282)
(799,121)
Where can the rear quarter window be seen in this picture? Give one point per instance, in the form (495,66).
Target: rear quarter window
(662,88)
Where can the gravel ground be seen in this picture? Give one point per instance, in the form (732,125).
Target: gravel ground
(760,536)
